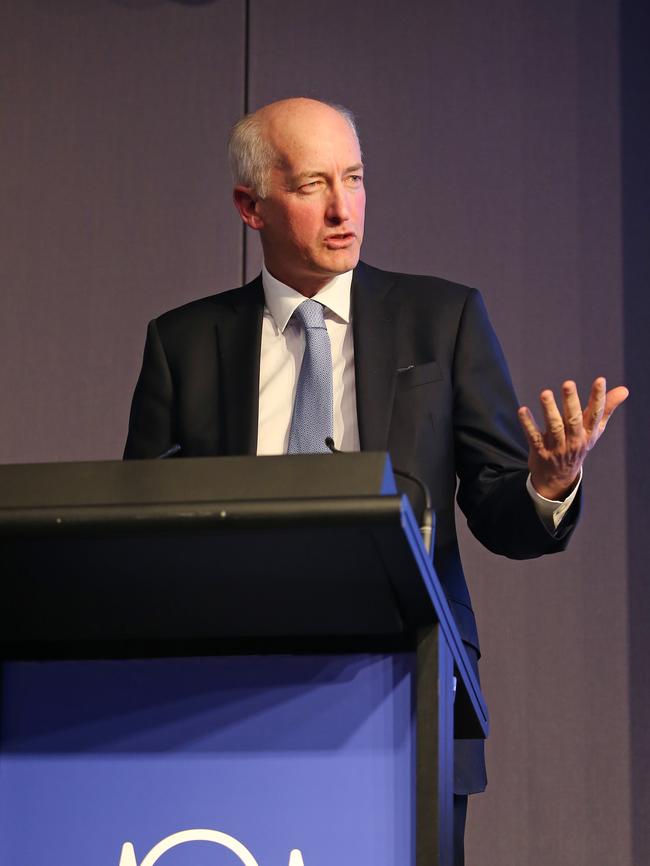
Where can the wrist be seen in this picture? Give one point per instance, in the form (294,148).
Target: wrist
(554,489)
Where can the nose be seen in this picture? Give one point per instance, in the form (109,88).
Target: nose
(338,207)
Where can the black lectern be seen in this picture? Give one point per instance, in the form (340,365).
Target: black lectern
(305,555)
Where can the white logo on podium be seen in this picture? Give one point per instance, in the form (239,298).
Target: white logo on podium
(128,858)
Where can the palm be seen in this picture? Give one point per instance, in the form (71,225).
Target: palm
(555,456)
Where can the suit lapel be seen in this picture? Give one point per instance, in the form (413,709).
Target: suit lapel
(239,338)
(374,327)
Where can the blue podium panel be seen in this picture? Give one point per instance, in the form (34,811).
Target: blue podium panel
(254,760)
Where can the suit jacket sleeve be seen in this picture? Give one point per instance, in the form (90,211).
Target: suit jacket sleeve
(151,421)
(491,450)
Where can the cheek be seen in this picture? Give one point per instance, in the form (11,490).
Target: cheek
(304,227)
(360,209)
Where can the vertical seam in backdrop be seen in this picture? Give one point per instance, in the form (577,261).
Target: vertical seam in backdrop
(247,34)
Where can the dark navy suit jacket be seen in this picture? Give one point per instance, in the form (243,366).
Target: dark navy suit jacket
(432,388)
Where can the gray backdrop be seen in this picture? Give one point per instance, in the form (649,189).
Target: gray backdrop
(505,146)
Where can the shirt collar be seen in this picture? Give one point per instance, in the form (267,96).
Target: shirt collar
(281,300)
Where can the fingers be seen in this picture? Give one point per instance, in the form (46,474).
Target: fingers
(553,419)
(531,429)
(613,400)
(572,428)
(593,414)
(572,411)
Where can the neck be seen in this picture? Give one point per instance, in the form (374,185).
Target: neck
(308,286)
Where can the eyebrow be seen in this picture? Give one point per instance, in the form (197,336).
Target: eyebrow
(311,174)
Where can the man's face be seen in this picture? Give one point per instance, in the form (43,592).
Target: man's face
(312,218)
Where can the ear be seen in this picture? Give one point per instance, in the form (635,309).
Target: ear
(246,201)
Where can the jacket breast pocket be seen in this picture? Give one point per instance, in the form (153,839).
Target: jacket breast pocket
(418,374)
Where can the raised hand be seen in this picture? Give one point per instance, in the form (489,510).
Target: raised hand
(555,456)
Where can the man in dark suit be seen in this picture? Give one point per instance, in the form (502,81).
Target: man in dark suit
(413,367)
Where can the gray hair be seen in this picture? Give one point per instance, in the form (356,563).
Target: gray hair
(251,155)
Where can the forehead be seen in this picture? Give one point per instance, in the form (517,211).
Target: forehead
(313,139)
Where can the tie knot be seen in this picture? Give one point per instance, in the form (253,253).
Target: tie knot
(311,314)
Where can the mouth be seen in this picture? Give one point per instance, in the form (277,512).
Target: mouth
(340,240)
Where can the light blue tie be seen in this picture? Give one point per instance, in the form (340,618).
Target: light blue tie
(312,419)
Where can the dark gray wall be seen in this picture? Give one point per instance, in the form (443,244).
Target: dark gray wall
(113,202)
(492,137)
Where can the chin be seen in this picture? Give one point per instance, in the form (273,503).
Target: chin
(341,262)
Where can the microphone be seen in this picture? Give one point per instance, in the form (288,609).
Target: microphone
(426,527)
(174,449)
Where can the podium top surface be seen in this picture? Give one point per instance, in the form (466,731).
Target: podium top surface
(195,479)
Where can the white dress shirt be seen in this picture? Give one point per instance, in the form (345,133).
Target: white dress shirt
(283,345)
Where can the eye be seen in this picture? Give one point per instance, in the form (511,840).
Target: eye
(310,186)
(355,179)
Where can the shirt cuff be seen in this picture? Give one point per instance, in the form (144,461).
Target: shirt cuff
(551,511)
